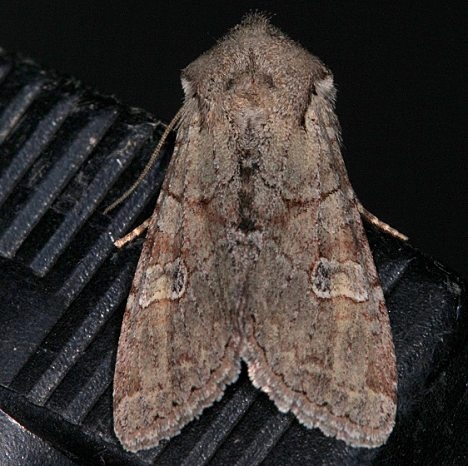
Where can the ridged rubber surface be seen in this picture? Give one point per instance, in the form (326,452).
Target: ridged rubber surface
(66,153)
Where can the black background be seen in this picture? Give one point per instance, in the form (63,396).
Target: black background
(398,67)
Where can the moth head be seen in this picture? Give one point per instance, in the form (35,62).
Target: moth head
(256,69)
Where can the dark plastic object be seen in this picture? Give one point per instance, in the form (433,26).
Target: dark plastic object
(65,154)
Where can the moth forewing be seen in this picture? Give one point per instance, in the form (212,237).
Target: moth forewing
(256,251)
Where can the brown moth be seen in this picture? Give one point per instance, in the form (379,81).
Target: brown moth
(256,252)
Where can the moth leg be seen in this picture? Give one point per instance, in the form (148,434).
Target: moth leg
(379,224)
(133,234)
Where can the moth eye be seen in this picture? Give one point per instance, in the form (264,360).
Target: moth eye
(189,91)
(313,90)
(325,88)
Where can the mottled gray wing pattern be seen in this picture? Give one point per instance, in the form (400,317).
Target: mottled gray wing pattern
(178,348)
(317,333)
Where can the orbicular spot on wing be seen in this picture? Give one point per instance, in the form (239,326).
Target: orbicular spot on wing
(162,282)
(331,278)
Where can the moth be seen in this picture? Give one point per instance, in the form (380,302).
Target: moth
(256,252)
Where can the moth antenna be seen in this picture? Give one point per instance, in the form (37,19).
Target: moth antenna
(154,157)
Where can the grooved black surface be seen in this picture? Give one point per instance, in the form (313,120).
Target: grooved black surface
(66,153)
